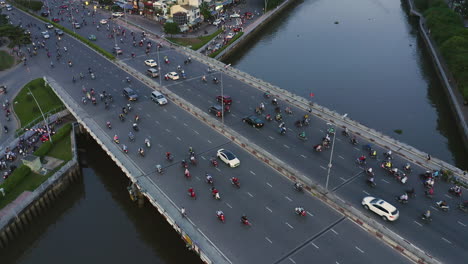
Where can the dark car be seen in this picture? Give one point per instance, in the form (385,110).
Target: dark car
(216,110)
(56,20)
(130,94)
(45,14)
(238,29)
(226,99)
(254,121)
(58,32)
(64,6)
(117,50)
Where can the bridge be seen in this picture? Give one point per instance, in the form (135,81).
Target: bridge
(270,163)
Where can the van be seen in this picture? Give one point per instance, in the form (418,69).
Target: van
(152,72)
(158,98)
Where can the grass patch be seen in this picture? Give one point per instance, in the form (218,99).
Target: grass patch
(398,131)
(238,35)
(195,43)
(26,108)
(23,179)
(6,60)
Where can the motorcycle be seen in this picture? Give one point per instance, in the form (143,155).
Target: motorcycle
(210,181)
(453,192)
(187,173)
(141,152)
(463,207)
(214,162)
(125,149)
(169,158)
(135,127)
(193,161)
(192,195)
(116,140)
(443,207)
(109,126)
(354,141)
(298,187)
(159,169)
(147,143)
(215,194)
(426,219)
(220,216)
(184,164)
(345,133)
(371,183)
(245,221)
(318,148)
(235,183)
(402,201)
(300,211)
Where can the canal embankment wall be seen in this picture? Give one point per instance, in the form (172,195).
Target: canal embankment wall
(22,212)
(455,97)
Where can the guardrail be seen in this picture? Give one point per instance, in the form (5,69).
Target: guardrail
(39,119)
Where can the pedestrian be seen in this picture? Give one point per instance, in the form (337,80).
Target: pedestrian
(428,157)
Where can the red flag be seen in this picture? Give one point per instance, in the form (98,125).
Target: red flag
(311,94)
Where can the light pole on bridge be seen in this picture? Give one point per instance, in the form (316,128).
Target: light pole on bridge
(331,154)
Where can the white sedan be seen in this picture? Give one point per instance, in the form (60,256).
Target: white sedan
(45,34)
(235,15)
(103,21)
(173,76)
(228,157)
(385,210)
(117,14)
(151,63)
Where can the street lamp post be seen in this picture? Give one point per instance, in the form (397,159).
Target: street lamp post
(159,65)
(265,8)
(42,113)
(331,159)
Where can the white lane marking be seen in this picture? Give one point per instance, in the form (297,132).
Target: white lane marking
(321,130)
(343,179)
(229,205)
(210,142)
(333,230)
(157,122)
(271,137)
(218,169)
(357,149)
(286,146)
(303,156)
(148,115)
(196,132)
(461,223)
(312,243)
(175,117)
(290,259)
(271,242)
(178,138)
(323,167)
(290,226)
(366,192)
(341,157)
(384,180)
(310,214)
(198,178)
(443,238)
(203,157)
(448,196)
(434,208)
(233,115)
(417,223)
(271,211)
(159,145)
(185,124)
(253,173)
(359,249)
(269,185)
(339,139)
(250,194)
(287,198)
(168,131)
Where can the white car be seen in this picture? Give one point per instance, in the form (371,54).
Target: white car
(173,76)
(49,26)
(235,15)
(217,22)
(230,35)
(103,21)
(117,14)
(228,157)
(385,210)
(151,63)
(45,34)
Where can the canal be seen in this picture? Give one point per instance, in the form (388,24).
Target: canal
(363,57)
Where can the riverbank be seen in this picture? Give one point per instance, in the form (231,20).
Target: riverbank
(457,100)
(33,197)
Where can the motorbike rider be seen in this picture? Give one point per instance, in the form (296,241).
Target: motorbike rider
(456,189)
(274,101)
(403,197)
(302,134)
(244,219)
(187,173)
(262,106)
(429,182)
(373,153)
(219,213)
(124,148)
(388,165)
(300,211)
(108,124)
(147,142)
(168,155)
(135,126)
(191,192)
(121,116)
(116,139)
(131,136)
(203,78)
(407,167)
(192,159)
(394,171)
(318,147)
(369,171)
(298,186)
(141,151)
(209,178)
(362,159)
(429,192)
(388,154)
(427,214)
(442,204)
(235,181)
(183,163)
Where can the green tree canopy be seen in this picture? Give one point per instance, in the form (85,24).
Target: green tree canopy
(205,11)
(171,28)
(15,34)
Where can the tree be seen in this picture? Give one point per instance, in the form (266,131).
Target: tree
(205,11)
(171,28)
(16,35)
(106,2)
